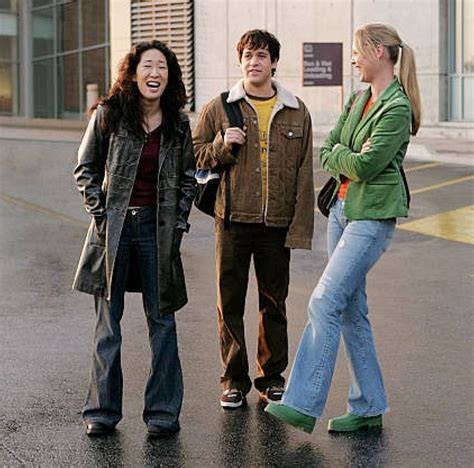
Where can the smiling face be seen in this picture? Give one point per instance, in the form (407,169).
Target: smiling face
(256,66)
(367,63)
(152,74)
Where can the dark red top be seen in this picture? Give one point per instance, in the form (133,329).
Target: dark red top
(144,190)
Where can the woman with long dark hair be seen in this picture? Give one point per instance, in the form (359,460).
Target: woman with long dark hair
(135,172)
(364,152)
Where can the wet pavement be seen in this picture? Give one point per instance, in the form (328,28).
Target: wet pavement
(420,299)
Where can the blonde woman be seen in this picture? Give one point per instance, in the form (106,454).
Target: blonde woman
(364,152)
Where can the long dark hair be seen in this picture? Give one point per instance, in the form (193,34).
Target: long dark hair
(122,104)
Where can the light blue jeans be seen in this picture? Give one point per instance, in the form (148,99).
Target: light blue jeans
(339,304)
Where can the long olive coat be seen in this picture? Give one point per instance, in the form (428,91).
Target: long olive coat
(105,175)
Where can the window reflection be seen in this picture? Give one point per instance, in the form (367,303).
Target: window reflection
(43,88)
(43,32)
(68,79)
(461,59)
(62,68)
(67,27)
(9,57)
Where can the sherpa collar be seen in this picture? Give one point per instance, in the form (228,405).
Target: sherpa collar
(284,97)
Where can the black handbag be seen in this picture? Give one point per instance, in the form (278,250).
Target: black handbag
(207,187)
(326,195)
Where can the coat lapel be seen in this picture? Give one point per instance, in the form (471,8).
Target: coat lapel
(361,122)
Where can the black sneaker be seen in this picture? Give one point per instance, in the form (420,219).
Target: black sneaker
(158,432)
(232,398)
(272,394)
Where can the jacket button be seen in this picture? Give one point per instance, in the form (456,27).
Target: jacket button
(255,145)
(255,121)
(161,223)
(290,133)
(257,170)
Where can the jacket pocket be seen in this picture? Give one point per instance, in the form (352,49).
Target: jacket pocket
(290,141)
(292,132)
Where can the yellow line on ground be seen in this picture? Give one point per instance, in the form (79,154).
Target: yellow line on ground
(41,209)
(456,225)
(442,184)
(422,166)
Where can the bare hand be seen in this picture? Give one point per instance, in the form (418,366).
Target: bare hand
(366,146)
(234,135)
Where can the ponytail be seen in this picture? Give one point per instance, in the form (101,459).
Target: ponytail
(410,84)
(366,40)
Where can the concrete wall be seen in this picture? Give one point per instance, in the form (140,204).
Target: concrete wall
(220,23)
(120,33)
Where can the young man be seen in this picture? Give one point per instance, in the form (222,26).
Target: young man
(271,212)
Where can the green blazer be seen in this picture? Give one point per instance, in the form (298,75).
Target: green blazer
(376,190)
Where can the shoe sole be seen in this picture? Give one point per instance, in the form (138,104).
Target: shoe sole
(369,425)
(230,405)
(264,399)
(101,433)
(290,420)
(161,435)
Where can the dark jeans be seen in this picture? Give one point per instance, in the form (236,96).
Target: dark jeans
(234,248)
(164,389)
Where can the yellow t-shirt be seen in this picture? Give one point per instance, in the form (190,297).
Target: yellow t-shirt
(264,111)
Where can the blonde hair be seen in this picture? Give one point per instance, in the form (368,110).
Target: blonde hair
(366,41)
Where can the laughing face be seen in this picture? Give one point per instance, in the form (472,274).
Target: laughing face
(152,74)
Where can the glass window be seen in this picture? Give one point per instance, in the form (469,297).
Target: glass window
(62,29)
(8,57)
(43,86)
(94,71)
(468,37)
(7,78)
(8,47)
(10,5)
(68,81)
(468,92)
(43,32)
(68,24)
(40,3)
(93,15)
(461,60)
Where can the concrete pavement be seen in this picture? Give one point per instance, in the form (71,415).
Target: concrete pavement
(421,301)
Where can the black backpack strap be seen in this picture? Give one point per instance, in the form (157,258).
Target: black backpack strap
(234,114)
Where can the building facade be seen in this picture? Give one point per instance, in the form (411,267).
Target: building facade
(50,50)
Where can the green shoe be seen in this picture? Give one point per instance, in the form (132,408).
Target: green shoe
(350,422)
(291,416)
